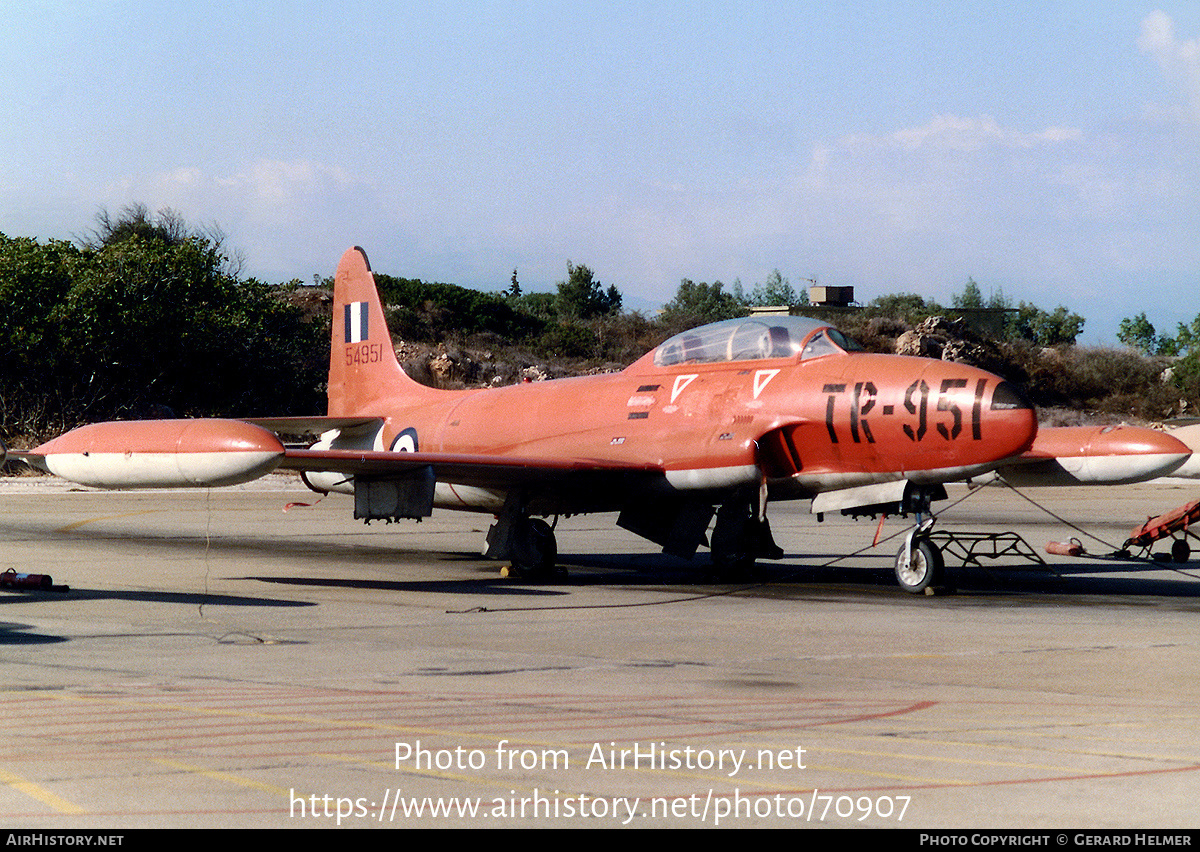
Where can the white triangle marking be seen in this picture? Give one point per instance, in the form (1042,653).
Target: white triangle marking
(681,382)
(761,378)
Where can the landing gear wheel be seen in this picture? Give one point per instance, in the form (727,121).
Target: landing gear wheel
(534,550)
(922,571)
(1180,550)
(733,566)
(735,540)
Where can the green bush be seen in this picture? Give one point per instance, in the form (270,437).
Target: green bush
(147,325)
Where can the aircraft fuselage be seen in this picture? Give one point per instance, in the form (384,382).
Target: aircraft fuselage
(808,425)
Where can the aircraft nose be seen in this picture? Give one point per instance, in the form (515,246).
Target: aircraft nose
(1012,420)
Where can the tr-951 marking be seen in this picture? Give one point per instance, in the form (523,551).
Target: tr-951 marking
(916,399)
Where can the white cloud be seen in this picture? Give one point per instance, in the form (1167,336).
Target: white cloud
(1052,215)
(289,217)
(955,133)
(952,175)
(288,184)
(1179,59)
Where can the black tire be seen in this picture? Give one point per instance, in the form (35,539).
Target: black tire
(534,550)
(734,540)
(733,567)
(925,568)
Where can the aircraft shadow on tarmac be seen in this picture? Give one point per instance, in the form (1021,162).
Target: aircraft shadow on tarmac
(12,633)
(1082,579)
(1008,579)
(491,585)
(794,575)
(186,598)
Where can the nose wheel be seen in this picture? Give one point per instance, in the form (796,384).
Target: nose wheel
(920,568)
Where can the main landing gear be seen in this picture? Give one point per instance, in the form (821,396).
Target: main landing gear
(534,549)
(526,541)
(741,536)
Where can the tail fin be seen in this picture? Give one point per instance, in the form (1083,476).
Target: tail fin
(363,371)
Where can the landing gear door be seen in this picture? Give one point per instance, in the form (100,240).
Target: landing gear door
(678,526)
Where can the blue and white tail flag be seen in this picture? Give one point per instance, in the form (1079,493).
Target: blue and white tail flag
(356,322)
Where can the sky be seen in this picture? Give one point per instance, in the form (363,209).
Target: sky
(1050,151)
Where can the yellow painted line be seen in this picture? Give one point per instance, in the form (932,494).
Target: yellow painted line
(224,776)
(36,791)
(421,773)
(887,776)
(77,524)
(938,758)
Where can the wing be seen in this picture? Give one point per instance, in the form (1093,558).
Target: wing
(391,485)
(312,425)
(208,452)
(484,471)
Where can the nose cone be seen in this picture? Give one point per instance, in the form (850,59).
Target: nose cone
(1012,421)
(1189,435)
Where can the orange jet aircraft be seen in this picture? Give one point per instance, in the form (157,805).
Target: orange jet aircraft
(719,420)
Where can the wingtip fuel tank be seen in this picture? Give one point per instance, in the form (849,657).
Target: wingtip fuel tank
(1108,455)
(162,453)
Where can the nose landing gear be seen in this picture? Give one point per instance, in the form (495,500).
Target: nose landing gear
(920,568)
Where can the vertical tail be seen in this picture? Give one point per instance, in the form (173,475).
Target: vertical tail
(363,371)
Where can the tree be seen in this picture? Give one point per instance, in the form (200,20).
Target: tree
(909,307)
(970,298)
(431,311)
(34,280)
(699,303)
(151,323)
(1139,333)
(1045,328)
(776,291)
(1186,340)
(147,319)
(581,296)
(167,227)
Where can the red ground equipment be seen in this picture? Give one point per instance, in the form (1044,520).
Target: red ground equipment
(10,579)
(1168,524)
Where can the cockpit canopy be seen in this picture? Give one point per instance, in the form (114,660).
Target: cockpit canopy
(753,339)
